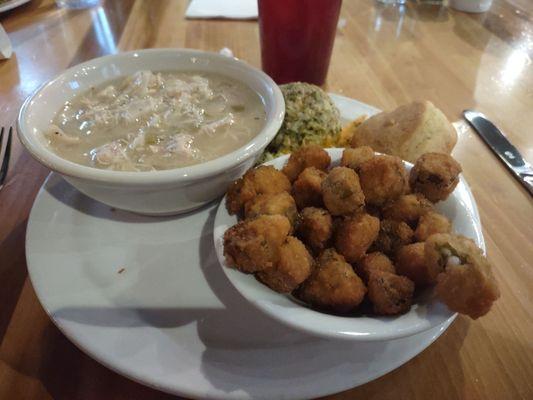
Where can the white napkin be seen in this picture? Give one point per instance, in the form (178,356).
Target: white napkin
(5,44)
(229,9)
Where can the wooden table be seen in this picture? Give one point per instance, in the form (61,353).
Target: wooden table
(384,56)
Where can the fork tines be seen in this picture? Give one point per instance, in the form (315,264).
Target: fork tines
(7,151)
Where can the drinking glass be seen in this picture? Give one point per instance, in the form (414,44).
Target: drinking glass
(297,38)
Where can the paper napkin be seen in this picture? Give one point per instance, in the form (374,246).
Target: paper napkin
(229,9)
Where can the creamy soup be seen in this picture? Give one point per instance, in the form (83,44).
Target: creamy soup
(153,121)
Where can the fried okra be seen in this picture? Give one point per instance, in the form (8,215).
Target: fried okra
(253,245)
(374,262)
(353,158)
(260,180)
(307,188)
(293,267)
(315,228)
(389,293)
(355,234)
(408,208)
(374,211)
(392,235)
(383,179)
(411,262)
(466,284)
(272,204)
(341,192)
(333,285)
(431,223)
(435,175)
(311,155)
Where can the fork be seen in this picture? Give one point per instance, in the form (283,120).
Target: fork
(7,152)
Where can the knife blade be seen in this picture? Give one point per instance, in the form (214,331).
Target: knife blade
(499,144)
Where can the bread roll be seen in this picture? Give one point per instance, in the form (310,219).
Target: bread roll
(408,131)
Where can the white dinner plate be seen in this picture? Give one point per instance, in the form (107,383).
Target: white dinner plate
(426,312)
(10,4)
(147,298)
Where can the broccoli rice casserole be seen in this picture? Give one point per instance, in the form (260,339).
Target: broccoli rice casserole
(310,118)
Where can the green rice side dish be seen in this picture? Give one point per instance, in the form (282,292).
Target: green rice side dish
(310,117)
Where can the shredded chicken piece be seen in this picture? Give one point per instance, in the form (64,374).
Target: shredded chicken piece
(209,129)
(56,133)
(107,93)
(138,141)
(111,153)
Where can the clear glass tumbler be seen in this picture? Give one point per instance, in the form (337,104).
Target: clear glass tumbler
(297,38)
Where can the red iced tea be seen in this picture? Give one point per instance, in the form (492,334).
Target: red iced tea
(297,38)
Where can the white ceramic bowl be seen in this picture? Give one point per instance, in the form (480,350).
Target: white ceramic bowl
(426,313)
(158,192)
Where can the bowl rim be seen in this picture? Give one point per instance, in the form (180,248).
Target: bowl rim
(320,324)
(150,178)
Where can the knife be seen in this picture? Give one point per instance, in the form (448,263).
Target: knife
(499,144)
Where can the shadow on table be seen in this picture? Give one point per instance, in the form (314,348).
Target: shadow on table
(35,7)
(421,375)
(69,374)
(13,273)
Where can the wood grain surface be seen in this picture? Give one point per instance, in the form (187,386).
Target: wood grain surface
(384,56)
